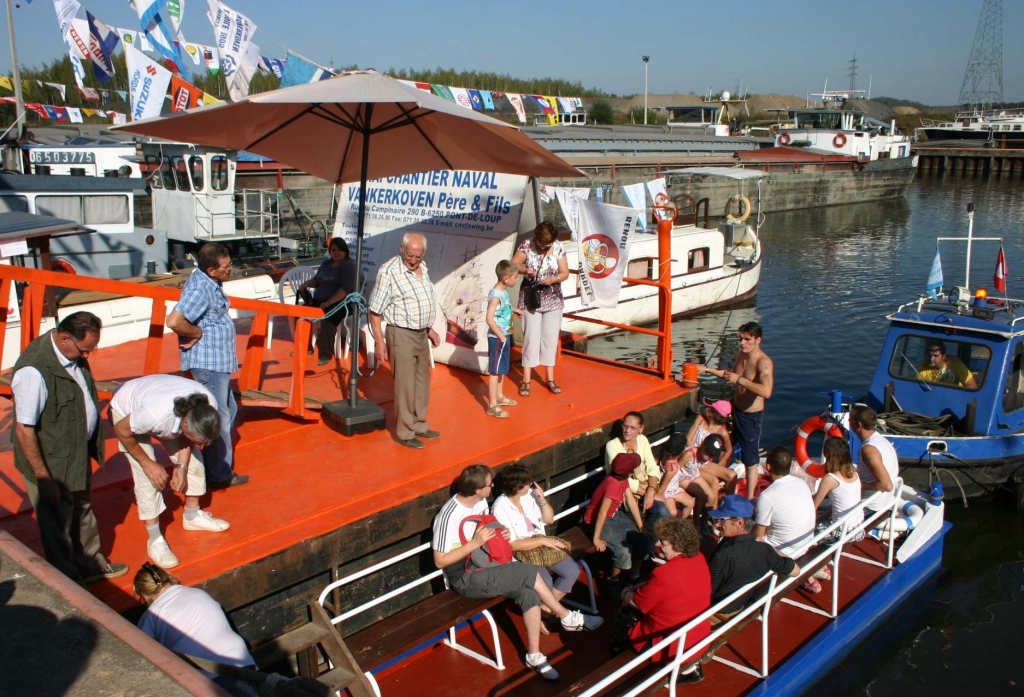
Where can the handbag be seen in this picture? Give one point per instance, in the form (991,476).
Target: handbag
(544,556)
(532,297)
(495,552)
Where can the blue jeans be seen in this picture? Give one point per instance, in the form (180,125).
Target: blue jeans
(219,456)
(623,539)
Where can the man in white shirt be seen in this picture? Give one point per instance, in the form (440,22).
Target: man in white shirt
(879,466)
(785,510)
(515,580)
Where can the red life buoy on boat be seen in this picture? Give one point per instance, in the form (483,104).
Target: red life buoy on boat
(812,425)
(840,140)
(784,139)
(63,266)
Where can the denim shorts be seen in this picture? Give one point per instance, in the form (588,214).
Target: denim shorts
(499,354)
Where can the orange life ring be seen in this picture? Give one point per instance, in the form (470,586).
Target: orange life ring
(63,266)
(840,140)
(812,425)
(784,139)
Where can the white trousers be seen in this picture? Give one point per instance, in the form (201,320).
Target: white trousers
(540,337)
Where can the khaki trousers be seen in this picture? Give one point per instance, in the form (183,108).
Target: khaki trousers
(410,364)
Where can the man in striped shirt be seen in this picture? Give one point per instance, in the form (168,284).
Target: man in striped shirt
(404,296)
(206,343)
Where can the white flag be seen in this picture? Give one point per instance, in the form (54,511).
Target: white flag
(569,200)
(117,118)
(78,38)
(176,11)
(135,39)
(66,11)
(238,87)
(60,88)
(462,97)
(659,194)
(568,104)
(148,82)
(75,115)
(636,197)
(193,51)
(76,66)
(517,102)
(233,31)
(604,238)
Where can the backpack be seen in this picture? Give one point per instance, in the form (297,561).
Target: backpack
(495,552)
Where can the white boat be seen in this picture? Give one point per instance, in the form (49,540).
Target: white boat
(1005,124)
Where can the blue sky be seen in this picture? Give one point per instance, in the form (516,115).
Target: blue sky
(913,49)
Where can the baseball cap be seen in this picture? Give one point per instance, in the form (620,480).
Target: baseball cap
(722,406)
(713,446)
(733,506)
(624,464)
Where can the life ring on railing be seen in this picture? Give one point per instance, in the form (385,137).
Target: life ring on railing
(812,425)
(63,266)
(840,140)
(908,517)
(744,207)
(784,139)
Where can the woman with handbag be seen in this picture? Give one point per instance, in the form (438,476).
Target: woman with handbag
(524,511)
(543,264)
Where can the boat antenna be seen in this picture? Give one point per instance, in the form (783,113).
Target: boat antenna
(970,233)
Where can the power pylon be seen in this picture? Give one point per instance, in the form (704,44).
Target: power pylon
(983,81)
(853,73)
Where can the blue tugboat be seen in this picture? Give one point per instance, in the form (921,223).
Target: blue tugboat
(948,384)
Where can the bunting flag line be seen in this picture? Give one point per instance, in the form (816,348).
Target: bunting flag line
(158,29)
(605,236)
(1002,271)
(934,286)
(175,12)
(148,82)
(102,44)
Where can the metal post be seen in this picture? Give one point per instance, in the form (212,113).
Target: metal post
(970,232)
(19,100)
(353,377)
(646,58)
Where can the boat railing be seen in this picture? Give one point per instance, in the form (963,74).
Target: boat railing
(254,212)
(40,283)
(775,588)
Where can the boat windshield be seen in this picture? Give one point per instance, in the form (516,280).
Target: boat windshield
(940,361)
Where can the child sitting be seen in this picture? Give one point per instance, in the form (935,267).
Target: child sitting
(714,420)
(613,529)
(682,483)
(499,343)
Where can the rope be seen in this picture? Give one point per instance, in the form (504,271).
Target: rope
(907,423)
(344,307)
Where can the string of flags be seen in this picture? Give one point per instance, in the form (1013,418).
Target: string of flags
(233,55)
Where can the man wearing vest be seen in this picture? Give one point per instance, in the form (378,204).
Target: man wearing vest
(55,435)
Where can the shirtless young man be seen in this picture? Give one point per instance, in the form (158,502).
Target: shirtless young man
(754,377)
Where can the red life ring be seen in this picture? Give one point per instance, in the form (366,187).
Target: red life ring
(840,140)
(812,425)
(784,139)
(63,266)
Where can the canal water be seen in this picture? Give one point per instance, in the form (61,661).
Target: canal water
(828,279)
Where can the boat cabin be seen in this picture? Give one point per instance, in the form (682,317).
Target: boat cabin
(843,132)
(706,119)
(85,156)
(982,338)
(574,118)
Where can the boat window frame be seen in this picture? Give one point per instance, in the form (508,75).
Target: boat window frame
(63,202)
(153,171)
(1014,375)
(195,169)
(6,208)
(690,268)
(647,264)
(219,174)
(900,352)
(167,173)
(181,173)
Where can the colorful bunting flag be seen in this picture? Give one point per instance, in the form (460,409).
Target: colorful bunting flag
(130,37)
(122,95)
(212,57)
(89,94)
(102,44)
(37,108)
(488,100)
(476,100)
(193,51)
(76,65)
(89,112)
(461,97)
(234,32)
(118,118)
(425,86)
(443,91)
(149,82)
(210,99)
(104,95)
(517,104)
(75,115)
(6,83)
(60,88)
(934,285)
(184,95)
(1002,271)
(298,70)
(272,65)
(157,27)
(52,112)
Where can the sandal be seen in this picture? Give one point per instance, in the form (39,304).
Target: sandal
(506,402)
(497,412)
(524,389)
(553,386)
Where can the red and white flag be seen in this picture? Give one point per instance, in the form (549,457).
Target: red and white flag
(1002,270)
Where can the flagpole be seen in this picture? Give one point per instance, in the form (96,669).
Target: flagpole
(970,232)
(19,100)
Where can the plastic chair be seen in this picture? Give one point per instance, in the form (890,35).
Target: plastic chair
(292,279)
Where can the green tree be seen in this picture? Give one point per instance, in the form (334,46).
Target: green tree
(636,115)
(601,112)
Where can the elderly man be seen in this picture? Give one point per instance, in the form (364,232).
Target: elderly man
(941,368)
(206,342)
(879,465)
(55,435)
(404,296)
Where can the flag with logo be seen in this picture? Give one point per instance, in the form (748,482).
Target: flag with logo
(443,91)
(272,65)
(636,197)
(1002,271)
(102,44)
(461,97)
(90,94)
(476,100)
(184,95)
(193,51)
(53,113)
(130,37)
(488,100)
(299,70)
(148,83)
(66,11)
(6,83)
(659,194)
(157,27)
(78,38)
(75,115)
(104,95)
(176,12)
(234,32)
(517,103)
(934,285)
(212,58)
(604,238)
(79,70)
(37,108)
(60,88)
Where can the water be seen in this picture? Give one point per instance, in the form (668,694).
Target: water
(828,279)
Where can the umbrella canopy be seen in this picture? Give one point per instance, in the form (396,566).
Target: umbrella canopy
(320,129)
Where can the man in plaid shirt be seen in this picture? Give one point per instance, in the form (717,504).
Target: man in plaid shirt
(206,342)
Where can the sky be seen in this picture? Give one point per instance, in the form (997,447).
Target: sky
(909,49)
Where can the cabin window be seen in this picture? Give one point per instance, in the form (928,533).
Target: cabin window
(698,259)
(639,268)
(195,168)
(152,169)
(219,173)
(66,207)
(1013,392)
(181,173)
(167,172)
(1017,127)
(912,360)
(107,210)
(13,204)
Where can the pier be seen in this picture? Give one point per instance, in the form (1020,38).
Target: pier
(973,158)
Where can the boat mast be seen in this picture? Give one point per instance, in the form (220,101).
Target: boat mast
(970,233)
(19,101)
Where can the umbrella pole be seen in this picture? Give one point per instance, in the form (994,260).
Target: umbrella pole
(357,415)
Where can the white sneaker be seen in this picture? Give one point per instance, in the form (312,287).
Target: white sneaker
(205,521)
(161,554)
(576,621)
(539,662)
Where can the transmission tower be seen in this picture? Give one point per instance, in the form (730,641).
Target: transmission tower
(983,81)
(853,73)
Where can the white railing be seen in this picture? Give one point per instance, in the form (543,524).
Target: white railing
(761,606)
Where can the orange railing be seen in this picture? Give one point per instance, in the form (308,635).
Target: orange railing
(663,364)
(38,282)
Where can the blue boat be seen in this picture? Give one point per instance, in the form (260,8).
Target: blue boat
(957,418)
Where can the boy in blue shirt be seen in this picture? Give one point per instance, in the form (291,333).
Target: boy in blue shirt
(499,339)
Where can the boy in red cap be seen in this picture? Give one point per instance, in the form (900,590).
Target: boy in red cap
(614,530)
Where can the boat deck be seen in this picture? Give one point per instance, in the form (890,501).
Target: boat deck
(308,481)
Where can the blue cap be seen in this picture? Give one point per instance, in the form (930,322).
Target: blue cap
(733,506)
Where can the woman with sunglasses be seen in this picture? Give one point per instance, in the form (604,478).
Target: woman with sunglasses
(542,263)
(181,414)
(187,620)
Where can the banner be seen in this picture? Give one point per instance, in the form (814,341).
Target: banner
(78,38)
(659,193)
(184,95)
(233,31)
(102,44)
(75,115)
(272,65)
(148,83)
(569,201)
(66,11)
(476,100)
(604,238)
(157,27)
(461,97)
(517,104)
(488,100)
(636,197)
